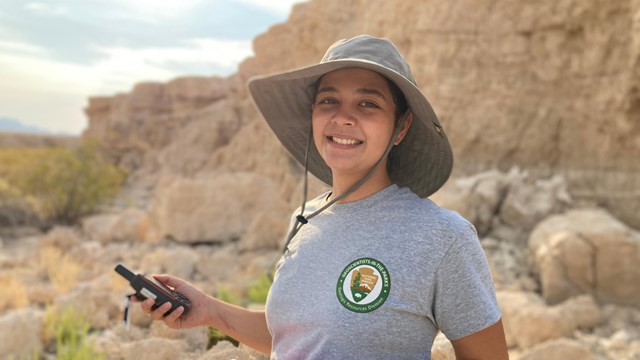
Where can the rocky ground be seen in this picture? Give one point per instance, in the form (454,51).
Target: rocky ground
(529,84)
(565,274)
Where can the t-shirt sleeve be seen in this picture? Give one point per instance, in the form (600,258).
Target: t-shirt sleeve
(464,294)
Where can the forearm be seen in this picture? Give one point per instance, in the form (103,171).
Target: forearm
(489,343)
(247,326)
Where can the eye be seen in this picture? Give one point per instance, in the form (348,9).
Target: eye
(368,104)
(326,101)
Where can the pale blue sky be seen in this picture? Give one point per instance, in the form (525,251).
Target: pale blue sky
(55,54)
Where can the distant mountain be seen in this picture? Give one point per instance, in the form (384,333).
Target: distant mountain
(12,125)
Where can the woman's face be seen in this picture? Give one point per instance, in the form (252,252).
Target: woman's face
(353,120)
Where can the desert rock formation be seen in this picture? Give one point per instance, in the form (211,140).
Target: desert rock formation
(548,86)
(540,100)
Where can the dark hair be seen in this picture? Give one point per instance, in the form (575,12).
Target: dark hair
(398,98)
(396,93)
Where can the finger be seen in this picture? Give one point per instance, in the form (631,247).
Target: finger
(146,305)
(158,313)
(169,280)
(172,318)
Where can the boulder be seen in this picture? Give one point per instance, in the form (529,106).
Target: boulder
(515,200)
(197,338)
(509,266)
(265,233)
(111,341)
(21,331)
(530,200)
(131,224)
(219,208)
(477,198)
(40,294)
(206,131)
(559,349)
(128,225)
(150,349)
(95,300)
(623,319)
(442,348)
(219,263)
(587,251)
(99,227)
(528,320)
(619,341)
(177,260)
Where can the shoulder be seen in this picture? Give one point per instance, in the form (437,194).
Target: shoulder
(429,214)
(430,229)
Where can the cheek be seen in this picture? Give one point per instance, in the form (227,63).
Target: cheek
(317,126)
(381,133)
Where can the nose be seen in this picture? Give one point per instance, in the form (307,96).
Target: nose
(343,117)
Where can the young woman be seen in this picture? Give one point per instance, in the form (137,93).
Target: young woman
(372,269)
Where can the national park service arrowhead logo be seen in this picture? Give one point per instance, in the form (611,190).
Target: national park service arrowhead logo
(363,285)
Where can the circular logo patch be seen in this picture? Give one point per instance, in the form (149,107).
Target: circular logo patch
(363,285)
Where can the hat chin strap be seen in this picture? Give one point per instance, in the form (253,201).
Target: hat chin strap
(301,219)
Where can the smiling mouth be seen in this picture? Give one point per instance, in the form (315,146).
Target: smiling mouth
(342,141)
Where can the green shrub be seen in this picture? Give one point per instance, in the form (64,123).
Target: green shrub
(227,296)
(259,289)
(13,160)
(15,210)
(71,331)
(66,184)
(216,336)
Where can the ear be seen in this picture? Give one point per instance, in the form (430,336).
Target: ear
(405,128)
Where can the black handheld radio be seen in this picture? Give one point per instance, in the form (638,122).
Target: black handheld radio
(147,287)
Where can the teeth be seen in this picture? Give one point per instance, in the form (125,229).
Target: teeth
(345,141)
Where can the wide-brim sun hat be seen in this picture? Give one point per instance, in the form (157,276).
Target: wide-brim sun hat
(422,161)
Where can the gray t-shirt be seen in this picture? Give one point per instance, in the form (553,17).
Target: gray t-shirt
(376,279)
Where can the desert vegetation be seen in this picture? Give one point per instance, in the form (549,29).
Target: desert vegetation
(59,184)
(538,99)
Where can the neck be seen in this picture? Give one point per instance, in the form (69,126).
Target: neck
(377,182)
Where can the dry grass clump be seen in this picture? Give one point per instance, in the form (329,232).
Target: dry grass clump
(13,294)
(61,269)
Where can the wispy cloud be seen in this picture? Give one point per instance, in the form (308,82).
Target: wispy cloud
(55,54)
(53,92)
(19,47)
(46,9)
(121,67)
(153,11)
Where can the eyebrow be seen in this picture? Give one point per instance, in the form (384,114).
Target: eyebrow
(362,91)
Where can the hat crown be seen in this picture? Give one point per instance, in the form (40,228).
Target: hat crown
(370,49)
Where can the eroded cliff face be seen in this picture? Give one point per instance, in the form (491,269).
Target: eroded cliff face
(549,86)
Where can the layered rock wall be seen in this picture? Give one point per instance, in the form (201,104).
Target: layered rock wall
(551,86)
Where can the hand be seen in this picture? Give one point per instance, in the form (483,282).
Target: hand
(200,305)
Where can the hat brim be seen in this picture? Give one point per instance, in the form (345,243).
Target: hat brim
(422,161)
